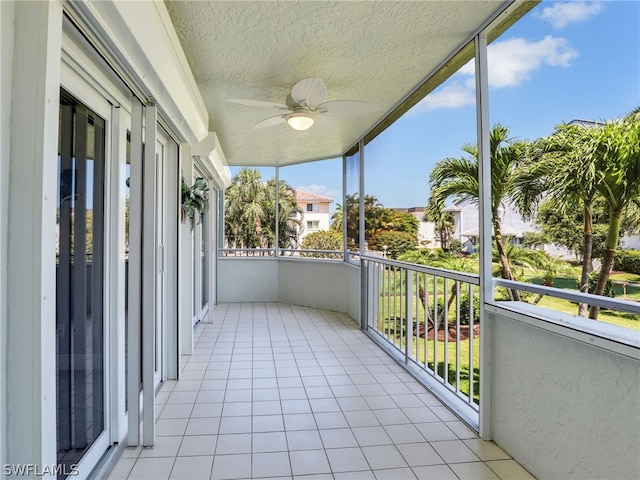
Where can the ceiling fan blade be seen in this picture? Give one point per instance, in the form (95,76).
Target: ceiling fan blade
(270,122)
(323,125)
(309,91)
(347,108)
(257,103)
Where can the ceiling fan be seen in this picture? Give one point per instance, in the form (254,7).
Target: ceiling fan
(304,108)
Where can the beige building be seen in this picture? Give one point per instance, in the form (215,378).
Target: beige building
(315,210)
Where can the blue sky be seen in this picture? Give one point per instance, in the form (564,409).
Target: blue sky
(564,60)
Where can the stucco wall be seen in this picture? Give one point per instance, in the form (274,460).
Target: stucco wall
(331,285)
(563,408)
(248,279)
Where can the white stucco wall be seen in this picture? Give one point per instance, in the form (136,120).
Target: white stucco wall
(250,279)
(563,408)
(331,285)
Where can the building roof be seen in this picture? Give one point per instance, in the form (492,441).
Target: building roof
(302,196)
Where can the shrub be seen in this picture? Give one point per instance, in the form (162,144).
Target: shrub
(397,243)
(322,240)
(593,281)
(464,309)
(455,245)
(627,261)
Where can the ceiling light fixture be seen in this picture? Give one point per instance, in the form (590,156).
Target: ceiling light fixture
(300,121)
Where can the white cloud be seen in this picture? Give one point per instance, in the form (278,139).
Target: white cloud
(450,96)
(320,190)
(563,13)
(511,62)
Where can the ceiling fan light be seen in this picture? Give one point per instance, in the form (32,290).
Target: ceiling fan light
(300,121)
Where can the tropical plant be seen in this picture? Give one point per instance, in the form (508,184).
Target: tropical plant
(458,177)
(615,149)
(195,201)
(393,242)
(250,212)
(322,240)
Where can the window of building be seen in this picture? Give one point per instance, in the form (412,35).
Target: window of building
(313,225)
(313,207)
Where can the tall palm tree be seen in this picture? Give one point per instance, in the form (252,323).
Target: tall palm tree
(566,175)
(244,208)
(615,149)
(289,215)
(459,177)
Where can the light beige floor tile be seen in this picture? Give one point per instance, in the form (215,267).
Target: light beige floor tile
(473,471)
(122,469)
(304,439)
(164,447)
(233,443)
(171,427)
(439,472)
(454,451)
(269,442)
(369,436)
(307,462)
(419,454)
(361,475)
(435,431)
(203,426)
(509,470)
(192,468)
(346,459)
(198,445)
(152,468)
(403,434)
(330,420)
(270,464)
(227,467)
(384,457)
(486,450)
(395,474)
(267,423)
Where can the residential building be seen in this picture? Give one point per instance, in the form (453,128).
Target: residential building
(315,212)
(130,349)
(427,236)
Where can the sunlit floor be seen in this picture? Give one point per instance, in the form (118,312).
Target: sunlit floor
(281,391)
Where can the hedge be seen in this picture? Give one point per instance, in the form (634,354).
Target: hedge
(627,261)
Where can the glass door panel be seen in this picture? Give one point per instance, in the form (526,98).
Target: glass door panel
(79,280)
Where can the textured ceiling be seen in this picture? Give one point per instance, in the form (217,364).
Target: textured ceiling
(374,51)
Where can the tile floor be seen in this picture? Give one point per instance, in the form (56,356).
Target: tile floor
(287,392)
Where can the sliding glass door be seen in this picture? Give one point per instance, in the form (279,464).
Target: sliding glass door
(80,367)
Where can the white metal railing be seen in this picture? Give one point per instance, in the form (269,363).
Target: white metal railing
(281,252)
(429,319)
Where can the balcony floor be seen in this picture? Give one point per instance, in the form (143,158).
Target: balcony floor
(281,391)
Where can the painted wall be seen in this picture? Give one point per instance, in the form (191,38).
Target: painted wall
(331,285)
(563,408)
(247,280)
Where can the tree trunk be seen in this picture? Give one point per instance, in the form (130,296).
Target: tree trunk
(514,295)
(587,249)
(611,244)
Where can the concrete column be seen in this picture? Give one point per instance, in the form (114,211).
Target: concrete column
(31,232)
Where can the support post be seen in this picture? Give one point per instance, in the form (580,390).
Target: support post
(134,308)
(149,248)
(486,276)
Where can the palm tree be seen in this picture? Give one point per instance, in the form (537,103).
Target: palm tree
(459,177)
(289,215)
(567,175)
(615,149)
(244,208)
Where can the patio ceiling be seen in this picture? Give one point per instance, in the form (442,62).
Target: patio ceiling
(377,52)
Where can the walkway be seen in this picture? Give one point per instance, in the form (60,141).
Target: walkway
(281,391)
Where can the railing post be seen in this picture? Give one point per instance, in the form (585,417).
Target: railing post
(364,295)
(409,314)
